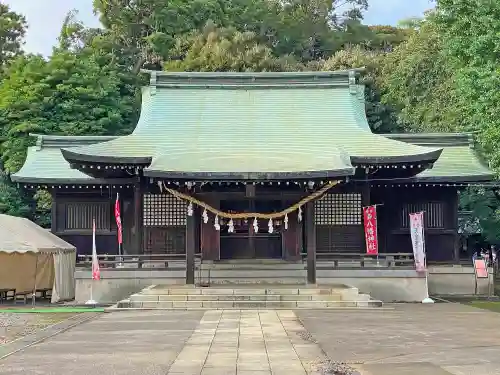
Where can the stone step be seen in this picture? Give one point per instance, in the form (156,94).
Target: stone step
(218,291)
(243,273)
(252,297)
(247,304)
(234,298)
(215,280)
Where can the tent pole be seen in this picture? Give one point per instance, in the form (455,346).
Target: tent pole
(33,296)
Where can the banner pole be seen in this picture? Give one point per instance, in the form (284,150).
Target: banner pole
(427,299)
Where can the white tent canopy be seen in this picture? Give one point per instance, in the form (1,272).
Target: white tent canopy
(33,258)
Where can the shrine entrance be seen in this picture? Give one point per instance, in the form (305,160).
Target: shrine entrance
(244,242)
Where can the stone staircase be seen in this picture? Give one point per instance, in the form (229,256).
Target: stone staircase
(252,271)
(278,296)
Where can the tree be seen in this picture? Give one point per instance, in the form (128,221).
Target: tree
(12,32)
(386,38)
(71,94)
(149,29)
(74,35)
(13,201)
(471,29)
(223,50)
(417,79)
(484,207)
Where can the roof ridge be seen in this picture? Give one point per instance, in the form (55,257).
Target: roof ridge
(61,141)
(438,139)
(311,73)
(253,79)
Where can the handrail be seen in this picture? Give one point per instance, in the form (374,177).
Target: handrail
(362,260)
(135,261)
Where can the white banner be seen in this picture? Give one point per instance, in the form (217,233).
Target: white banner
(417,239)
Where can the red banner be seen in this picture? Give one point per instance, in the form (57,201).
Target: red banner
(118,219)
(370,221)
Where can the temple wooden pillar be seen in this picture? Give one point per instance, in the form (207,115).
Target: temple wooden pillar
(310,228)
(53,218)
(456,236)
(209,237)
(366,201)
(138,235)
(190,247)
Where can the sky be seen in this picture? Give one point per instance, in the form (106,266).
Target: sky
(45,17)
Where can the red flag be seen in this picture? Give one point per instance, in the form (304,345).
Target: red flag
(118,219)
(96,271)
(370,221)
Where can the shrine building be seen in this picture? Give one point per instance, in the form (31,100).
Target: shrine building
(229,166)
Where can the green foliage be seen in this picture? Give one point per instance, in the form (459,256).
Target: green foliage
(71,94)
(484,207)
(13,201)
(150,29)
(12,31)
(471,29)
(224,50)
(42,212)
(417,79)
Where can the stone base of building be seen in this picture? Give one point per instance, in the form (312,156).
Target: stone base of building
(385,284)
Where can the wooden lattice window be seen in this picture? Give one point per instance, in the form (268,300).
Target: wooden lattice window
(79,215)
(338,209)
(163,210)
(433,214)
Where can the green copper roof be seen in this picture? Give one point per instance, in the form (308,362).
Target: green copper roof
(458,161)
(45,164)
(251,125)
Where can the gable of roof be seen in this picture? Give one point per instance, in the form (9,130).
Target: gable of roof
(459,162)
(45,163)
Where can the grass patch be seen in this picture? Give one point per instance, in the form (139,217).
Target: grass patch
(486,305)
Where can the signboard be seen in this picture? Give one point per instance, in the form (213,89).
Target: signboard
(370,221)
(480,268)
(417,240)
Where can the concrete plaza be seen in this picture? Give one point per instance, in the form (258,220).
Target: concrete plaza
(442,339)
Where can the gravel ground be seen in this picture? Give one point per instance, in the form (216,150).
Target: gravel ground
(14,326)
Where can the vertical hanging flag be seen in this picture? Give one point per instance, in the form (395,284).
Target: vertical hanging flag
(118,219)
(417,239)
(96,272)
(370,221)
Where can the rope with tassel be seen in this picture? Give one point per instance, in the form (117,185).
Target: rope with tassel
(246,215)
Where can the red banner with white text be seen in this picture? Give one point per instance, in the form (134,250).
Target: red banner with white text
(370,221)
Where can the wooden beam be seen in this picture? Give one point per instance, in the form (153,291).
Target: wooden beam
(190,248)
(456,236)
(53,213)
(138,243)
(310,243)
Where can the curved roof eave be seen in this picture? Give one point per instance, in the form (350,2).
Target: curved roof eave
(428,157)
(70,181)
(249,176)
(75,157)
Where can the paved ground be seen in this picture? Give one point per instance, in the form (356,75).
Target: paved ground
(189,343)
(114,344)
(441,339)
(14,326)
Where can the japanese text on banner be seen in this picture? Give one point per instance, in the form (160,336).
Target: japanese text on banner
(417,239)
(370,221)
